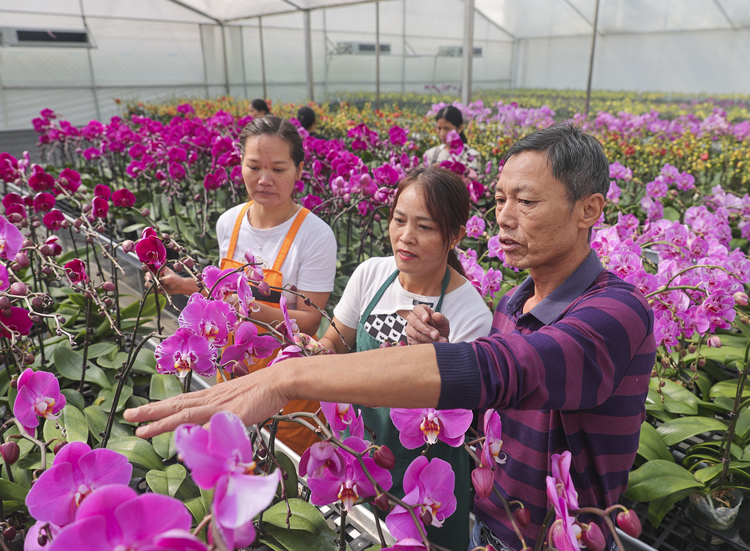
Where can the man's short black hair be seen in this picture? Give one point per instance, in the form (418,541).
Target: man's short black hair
(577,159)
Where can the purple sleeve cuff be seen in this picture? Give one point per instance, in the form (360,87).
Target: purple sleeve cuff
(460,383)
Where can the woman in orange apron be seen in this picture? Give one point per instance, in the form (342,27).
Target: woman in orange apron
(273,156)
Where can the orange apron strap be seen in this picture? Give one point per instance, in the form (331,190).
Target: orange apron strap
(236,231)
(286,245)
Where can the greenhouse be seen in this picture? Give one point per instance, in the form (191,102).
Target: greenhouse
(374,275)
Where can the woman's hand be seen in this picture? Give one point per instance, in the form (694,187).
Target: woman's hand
(425,326)
(172,284)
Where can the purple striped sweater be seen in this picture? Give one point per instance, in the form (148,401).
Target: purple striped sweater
(571,374)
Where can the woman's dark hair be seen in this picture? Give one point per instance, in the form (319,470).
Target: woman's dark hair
(306,117)
(447,202)
(275,126)
(260,105)
(453,116)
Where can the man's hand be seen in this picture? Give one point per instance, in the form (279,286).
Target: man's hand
(425,326)
(253,398)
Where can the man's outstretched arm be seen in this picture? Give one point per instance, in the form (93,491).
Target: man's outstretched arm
(406,377)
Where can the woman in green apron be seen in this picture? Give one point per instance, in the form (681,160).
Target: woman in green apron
(427,221)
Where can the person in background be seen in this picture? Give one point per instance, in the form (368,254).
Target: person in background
(427,220)
(293,246)
(258,108)
(306,117)
(567,364)
(449,119)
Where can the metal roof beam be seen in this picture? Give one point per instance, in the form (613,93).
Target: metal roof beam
(195,10)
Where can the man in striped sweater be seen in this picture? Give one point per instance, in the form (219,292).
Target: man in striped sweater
(567,363)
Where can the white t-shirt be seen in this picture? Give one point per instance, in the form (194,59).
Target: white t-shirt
(440,153)
(468,314)
(310,264)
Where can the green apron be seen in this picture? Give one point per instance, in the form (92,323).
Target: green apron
(454,534)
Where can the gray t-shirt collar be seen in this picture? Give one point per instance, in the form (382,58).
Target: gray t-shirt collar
(550,308)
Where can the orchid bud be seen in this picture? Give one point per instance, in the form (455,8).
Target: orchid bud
(47,270)
(28,358)
(382,502)
(264,288)
(629,523)
(16,218)
(714,341)
(37,302)
(46,250)
(740,298)
(59,446)
(108,286)
(18,289)
(744,320)
(522,516)
(384,458)
(27,243)
(240,370)
(128,246)
(145,213)
(426,517)
(9,533)
(376,217)
(77,223)
(86,208)
(483,481)
(14,382)
(189,263)
(10,452)
(4,303)
(36,319)
(691,348)
(592,537)
(41,539)
(23,260)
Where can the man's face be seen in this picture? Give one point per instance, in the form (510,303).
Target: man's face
(538,229)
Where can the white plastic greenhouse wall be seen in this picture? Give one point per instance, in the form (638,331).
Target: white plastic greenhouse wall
(77,56)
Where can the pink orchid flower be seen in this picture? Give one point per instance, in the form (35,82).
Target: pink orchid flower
(76,272)
(38,396)
(339,416)
(563,533)
(454,142)
(320,458)
(99,207)
(429,486)
(247,347)
(493,429)
(11,240)
(408,544)
(123,198)
(53,220)
(561,475)
(185,351)
(289,327)
(53,242)
(16,323)
(116,517)
(212,319)
(103,191)
(151,252)
(43,202)
(222,282)
(428,425)
(75,473)
(352,483)
(4,278)
(70,180)
(245,297)
(222,458)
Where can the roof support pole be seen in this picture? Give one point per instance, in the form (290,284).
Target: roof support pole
(91,65)
(262,58)
(591,58)
(377,55)
(224,54)
(308,57)
(468,52)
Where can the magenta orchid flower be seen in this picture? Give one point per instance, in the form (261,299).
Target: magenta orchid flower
(560,464)
(151,252)
(100,207)
(408,544)
(247,347)
(212,319)
(76,472)
(245,297)
(16,323)
(475,226)
(320,458)
(338,415)
(222,458)
(563,533)
(454,142)
(428,425)
(38,396)
(103,191)
(493,429)
(31,543)
(289,327)
(4,278)
(429,487)
(221,283)
(76,272)
(41,181)
(116,517)
(53,220)
(43,202)
(11,240)
(352,483)
(53,242)
(123,198)
(185,351)
(69,180)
